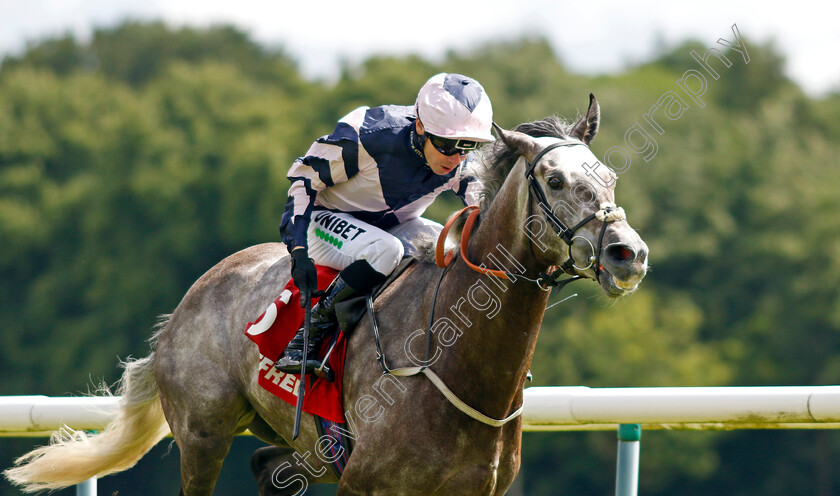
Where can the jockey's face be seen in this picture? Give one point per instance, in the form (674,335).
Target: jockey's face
(438,162)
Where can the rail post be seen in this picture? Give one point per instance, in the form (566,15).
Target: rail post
(86,488)
(627,462)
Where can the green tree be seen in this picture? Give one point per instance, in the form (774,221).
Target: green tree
(132,163)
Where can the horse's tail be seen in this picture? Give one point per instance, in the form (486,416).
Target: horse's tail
(75,456)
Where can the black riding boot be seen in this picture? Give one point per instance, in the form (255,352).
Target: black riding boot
(323,321)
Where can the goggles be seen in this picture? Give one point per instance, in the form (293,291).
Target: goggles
(450,147)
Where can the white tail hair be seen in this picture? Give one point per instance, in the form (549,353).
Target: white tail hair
(75,456)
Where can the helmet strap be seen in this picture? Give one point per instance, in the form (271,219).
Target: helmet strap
(418,141)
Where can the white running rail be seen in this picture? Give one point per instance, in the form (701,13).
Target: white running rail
(556,408)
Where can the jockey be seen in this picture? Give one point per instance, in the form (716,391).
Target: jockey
(356,197)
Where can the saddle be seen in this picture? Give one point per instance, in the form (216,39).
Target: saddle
(351,311)
(273,330)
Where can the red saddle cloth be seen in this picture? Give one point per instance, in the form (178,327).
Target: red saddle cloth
(273,330)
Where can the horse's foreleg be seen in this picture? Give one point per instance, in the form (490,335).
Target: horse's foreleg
(280,473)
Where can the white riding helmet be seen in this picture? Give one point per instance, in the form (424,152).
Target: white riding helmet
(453,106)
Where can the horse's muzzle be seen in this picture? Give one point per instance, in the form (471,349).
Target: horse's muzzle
(626,264)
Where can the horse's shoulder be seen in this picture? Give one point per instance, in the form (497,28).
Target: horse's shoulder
(410,276)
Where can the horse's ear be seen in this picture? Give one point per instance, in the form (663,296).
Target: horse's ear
(587,126)
(520,142)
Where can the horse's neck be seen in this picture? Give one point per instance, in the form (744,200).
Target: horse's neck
(496,349)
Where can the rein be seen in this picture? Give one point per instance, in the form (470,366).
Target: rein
(443,259)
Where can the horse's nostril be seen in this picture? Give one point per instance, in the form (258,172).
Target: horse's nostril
(621,253)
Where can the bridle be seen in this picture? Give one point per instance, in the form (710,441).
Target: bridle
(607,213)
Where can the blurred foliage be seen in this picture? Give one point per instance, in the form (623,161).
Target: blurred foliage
(132,163)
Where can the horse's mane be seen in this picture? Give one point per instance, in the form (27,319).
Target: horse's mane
(497,159)
(495,163)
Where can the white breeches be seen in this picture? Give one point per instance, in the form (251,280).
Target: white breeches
(338,239)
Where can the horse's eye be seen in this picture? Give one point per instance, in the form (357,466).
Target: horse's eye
(555,183)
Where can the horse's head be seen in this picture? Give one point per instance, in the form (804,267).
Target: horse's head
(572,217)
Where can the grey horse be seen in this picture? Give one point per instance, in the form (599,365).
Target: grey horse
(200,382)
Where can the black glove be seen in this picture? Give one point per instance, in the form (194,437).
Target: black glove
(304,275)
